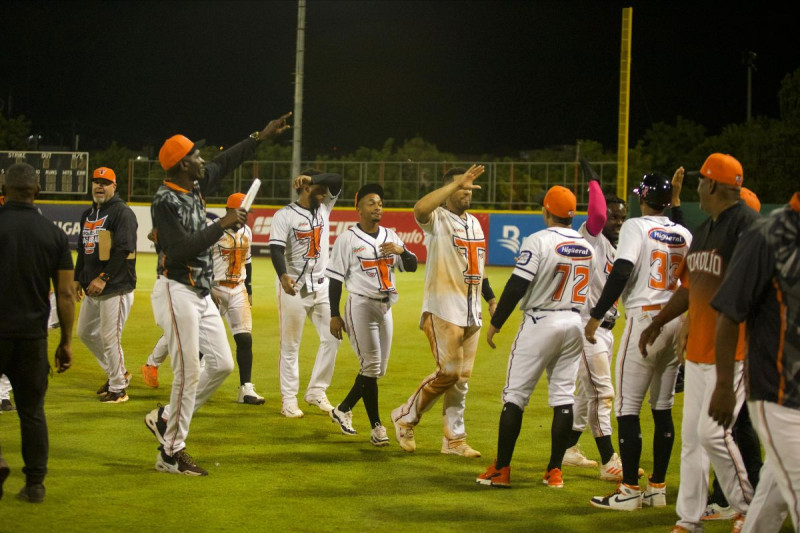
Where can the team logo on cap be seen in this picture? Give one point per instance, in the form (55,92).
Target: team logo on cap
(673,240)
(573,251)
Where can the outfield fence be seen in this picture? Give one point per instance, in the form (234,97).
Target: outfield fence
(505,185)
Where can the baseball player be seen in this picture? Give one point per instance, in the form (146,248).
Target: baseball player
(645,275)
(181,297)
(552,278)
(701,274)
(364,258)
(451,308)
(299,248)
(594,391)
(762,288)
(233,294)
(107,274)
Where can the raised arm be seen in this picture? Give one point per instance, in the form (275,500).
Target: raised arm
(428,203)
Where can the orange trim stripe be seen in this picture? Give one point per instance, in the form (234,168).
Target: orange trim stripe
(779,356)
(174,187)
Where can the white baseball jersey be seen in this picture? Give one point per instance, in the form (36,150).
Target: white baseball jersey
(656,246)
(306,236)
(454,268)
(230,254)
(603,261)
(561,260)
(357,258)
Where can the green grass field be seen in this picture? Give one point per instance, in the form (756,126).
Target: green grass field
(269,473)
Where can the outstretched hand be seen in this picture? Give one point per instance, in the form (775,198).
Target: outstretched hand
(466,180)
(677,185)
(275,127)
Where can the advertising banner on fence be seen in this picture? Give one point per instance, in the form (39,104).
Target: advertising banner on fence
(506,232)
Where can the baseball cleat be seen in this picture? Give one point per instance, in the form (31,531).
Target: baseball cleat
(114,397)
(679,529)
(612,470)
(496,478)
(378,436)
(104,389)
(4,471)
(574,457)
(458,447)
(715,511)
(248,395)
(6,405)
(32,493)
(179,463)
(738,523)
(655,495)
(553,479)
(150,375)
(321,402)
(625,498)
(154,420)
(344,419)
(404,433)
(291,411)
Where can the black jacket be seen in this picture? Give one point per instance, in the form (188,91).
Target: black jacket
(116,217)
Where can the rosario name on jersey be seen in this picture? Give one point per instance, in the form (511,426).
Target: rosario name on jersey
(305,234)
(603,261)
(656,247)
(454,268)
(559,261)
(230,254)
(356,258)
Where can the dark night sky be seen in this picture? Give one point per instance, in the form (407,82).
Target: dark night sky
(471,77)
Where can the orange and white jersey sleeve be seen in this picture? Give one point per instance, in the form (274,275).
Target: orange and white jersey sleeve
(229,254)
(656,247)
(604,255)
(356,260)
(454,267)
(559,262)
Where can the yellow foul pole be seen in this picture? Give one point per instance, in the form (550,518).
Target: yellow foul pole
(624,102)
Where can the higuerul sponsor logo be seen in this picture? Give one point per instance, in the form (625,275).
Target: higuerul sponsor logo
(573,250)
(667,237)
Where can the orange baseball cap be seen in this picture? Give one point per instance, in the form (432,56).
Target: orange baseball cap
(235,200)
(560,201)
(104,173)
(750,199)
(176,148)
(723,168)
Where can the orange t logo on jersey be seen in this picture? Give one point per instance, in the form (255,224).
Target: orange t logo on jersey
(380,267)
(90,229)
(312,237)
(473,250)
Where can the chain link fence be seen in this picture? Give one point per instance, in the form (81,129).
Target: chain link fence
(516,186)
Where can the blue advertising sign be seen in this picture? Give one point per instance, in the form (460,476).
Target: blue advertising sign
(66,217)
(506,232)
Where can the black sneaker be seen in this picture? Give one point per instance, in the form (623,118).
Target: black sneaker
(179,463)
(154,420)
(32,492)
(114,397)
(104,389)
(6,405)
(679,381)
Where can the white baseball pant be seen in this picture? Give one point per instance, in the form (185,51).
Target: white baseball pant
(704,441)
(369,327)
(778,489)
(292,312)
(100,326)
(594,392)
(160,352)
(234,305)
(191,324)
(5,387)
(453,348)
(636,374)
(547,341)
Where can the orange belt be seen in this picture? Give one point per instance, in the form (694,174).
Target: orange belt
(654,307)
(229,284)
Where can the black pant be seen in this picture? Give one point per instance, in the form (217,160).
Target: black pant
(24,361)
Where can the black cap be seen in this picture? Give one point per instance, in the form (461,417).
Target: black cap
(369,188)
(655,190)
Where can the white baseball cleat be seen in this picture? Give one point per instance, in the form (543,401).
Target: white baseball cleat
(574,457)
(612,470)
(458,447)
(248,395)
(378,436)
(625,498)
(321,402)
(344,419)
(715,511)
(404,433)
(291,411)
(655,495)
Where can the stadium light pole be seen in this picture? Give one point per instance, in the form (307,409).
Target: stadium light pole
(297,141)
(749,60)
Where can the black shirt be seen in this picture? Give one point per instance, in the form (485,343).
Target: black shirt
(32,250)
